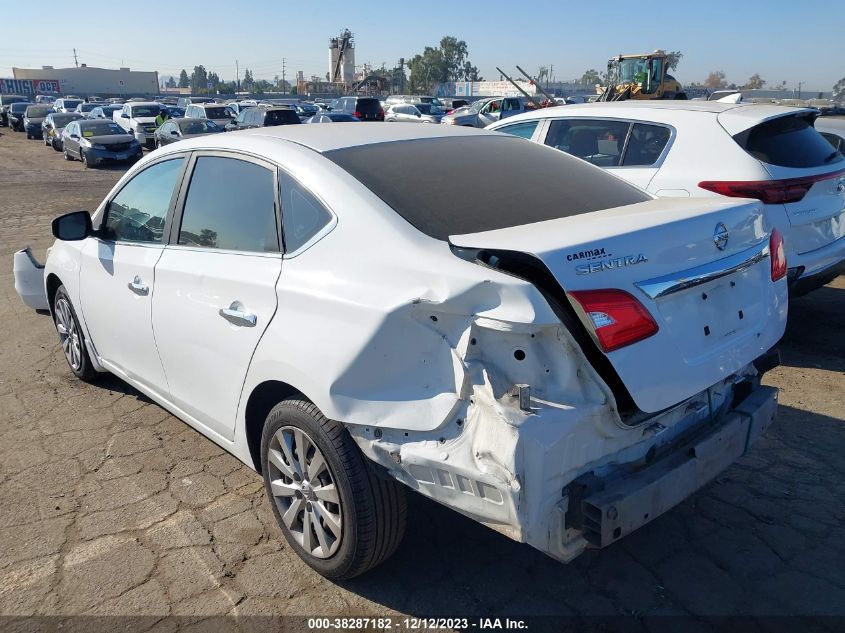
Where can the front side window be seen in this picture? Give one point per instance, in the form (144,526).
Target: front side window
(645,145)
(138,212)
(598,142)
(303,216)
(231,204)
(522,130)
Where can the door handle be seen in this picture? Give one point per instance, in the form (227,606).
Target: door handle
(235,314)
(139,287)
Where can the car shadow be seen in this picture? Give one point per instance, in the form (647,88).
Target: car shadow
(815,332)
(712,555)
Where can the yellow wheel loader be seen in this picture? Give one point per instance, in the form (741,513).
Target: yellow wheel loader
(639,77)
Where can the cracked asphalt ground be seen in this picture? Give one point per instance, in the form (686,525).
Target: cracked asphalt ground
(110,505)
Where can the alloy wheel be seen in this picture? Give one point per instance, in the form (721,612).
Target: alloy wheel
(305,491)
(68,334)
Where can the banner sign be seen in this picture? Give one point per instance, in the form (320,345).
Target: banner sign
(28,86)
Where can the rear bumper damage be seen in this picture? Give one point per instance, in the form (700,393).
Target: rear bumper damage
(563,478)
(29,280)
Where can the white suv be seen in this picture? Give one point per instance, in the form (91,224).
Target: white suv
(560,356)
(220,113)
(706,149)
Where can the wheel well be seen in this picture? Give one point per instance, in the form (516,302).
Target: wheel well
(53,283)
(262,399)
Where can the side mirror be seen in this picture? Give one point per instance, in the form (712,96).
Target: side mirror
(76,136)
(123,115)
(174,133)
(72,227)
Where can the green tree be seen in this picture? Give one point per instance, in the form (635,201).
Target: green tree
(439,64)
(838,90)
(184,81)
(248,79)
(591,77)
(427,70)
(755,82)
(170,83)
(199,79)
(673,58)
(716,80)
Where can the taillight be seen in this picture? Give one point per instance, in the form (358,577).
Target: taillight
(381,113)
(768,191)
(777,255)
(617,318)
(357,115)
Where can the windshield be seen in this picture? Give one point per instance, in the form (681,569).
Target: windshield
(280,117)
(87,107)
(20,106)
(61,120)
(100,128)
(34,112)
(70,104)
(145,111)
(217,113)
(477,105)
(199,126)
(8,100)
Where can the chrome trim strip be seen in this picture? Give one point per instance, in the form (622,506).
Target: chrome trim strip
(669,284)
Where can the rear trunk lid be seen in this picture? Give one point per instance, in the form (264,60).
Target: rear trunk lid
(701,268)
(811,172)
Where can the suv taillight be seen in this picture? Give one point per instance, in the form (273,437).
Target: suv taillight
(357,115)
(616,317)
(777,255)
(768,191)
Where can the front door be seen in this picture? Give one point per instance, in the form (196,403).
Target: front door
(117,282)
(216,286)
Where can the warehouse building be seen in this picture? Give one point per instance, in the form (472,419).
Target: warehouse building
(87,80)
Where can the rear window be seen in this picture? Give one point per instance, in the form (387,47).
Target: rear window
(368,106)
(443,186)
(788,141)
(216,113)
(280,117)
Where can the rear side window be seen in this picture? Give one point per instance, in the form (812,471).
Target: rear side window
(303,216)
(368,106)
(533,186)
(281,117)
(599,142)
(138,212)
(645,145)
(788,141)
(230,205)
(522,130)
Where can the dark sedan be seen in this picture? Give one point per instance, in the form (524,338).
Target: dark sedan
(97,142)
(332,117)
(16,114)
(33,119)
(177,129)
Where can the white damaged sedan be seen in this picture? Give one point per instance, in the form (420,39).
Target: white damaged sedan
(357,310)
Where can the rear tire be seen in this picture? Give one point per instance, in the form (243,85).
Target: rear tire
(71,337)
(338,540)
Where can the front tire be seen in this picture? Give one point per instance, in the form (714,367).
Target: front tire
(339,516)
(68,156)
(85,162)
(71,338)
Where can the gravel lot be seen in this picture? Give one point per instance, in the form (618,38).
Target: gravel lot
(110,505)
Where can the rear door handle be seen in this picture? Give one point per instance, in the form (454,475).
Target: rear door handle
(236,315)
(139,287)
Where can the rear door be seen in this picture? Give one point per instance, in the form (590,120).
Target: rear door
(117,281)
(216,284)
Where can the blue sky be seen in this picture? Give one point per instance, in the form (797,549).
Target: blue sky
(780,40)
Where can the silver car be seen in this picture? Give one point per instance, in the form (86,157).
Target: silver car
(413,113)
